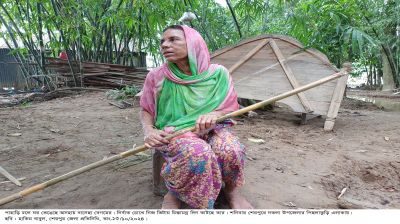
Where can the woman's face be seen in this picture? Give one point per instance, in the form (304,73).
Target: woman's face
(173,45)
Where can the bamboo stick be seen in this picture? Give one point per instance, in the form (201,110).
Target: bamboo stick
(142,148)
(10,177)
(336,100)
(9,181)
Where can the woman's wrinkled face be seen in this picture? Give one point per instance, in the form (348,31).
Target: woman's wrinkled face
(173,45)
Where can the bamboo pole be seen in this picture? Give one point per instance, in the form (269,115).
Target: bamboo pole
(10,177)
(25,40)
(142,148)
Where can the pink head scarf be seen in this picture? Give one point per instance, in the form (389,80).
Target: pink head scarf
(199,55)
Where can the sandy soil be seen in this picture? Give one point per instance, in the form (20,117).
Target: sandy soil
(298,166)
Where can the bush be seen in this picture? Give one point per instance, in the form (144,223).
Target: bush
(122,94)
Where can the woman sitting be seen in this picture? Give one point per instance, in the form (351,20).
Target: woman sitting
(188,91)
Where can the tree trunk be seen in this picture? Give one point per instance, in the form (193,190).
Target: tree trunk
(391,63)
(42,56)
(369,72)
(388,81)
(234,17)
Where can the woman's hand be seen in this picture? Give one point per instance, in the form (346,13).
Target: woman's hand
(155,138)
(207,121)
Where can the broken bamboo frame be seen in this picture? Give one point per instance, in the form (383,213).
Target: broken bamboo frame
(141,148)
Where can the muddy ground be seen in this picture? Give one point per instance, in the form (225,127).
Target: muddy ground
(298,166)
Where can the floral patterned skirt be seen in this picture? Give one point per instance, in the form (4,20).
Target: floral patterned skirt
(196,167)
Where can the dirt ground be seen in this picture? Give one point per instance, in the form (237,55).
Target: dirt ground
(298,166)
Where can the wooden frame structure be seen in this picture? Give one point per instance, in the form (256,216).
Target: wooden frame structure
(264,66)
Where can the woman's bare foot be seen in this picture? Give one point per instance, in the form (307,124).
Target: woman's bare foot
(170,202)
(235,199)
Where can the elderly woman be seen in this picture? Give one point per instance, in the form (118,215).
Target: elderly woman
(188,91)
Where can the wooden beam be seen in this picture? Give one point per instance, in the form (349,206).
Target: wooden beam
(159,187)
(265,69)
(337,98)
(248,55)
(289,74)
(303,118)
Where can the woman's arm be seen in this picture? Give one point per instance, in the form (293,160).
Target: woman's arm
(152,136)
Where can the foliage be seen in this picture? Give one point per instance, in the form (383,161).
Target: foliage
(362,31)
(111,31)
(122,94)
(26,104)
(130,91)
